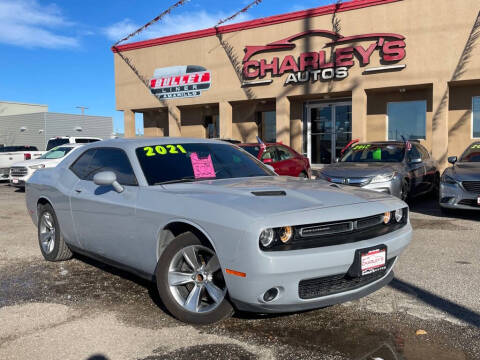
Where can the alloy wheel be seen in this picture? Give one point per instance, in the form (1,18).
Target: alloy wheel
(195,279)
(47,232)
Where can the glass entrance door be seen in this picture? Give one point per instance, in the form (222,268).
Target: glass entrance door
(329,130)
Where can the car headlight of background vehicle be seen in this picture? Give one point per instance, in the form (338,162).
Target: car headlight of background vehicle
(38,166)
(269,237)
(447,179)
(383,177)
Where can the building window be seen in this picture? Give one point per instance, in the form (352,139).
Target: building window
(267,126)
(476,116)
(407,119)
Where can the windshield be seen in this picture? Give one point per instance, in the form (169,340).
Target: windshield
(171,163)
(57,153)
(375,153)
(56,142)
(472,154)
(252,149)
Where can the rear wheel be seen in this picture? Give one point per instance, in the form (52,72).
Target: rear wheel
(50,239)
(303,175)
(190,281)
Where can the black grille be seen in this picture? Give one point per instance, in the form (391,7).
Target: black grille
(472,186)
(334,284)
(18,171)
(469,202)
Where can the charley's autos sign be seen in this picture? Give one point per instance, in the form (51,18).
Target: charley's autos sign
(180,81)
(333,62)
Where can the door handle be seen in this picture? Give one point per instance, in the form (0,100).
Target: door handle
(78,191)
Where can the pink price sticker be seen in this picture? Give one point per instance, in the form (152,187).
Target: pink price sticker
(202,168)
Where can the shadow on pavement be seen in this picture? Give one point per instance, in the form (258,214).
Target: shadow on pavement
(428,205)
(458,311)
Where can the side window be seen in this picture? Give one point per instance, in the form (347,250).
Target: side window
(283,153)
(424,153)
(81,165)
(106,159)
(414,153)
(270,153)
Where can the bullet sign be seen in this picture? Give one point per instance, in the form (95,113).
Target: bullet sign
(180,81)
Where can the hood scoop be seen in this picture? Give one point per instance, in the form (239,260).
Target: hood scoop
(269,193)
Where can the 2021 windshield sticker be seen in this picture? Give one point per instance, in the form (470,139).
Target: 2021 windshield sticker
(361,147)
(164,149)
(475,146)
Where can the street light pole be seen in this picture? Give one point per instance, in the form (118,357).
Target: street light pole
(82,108)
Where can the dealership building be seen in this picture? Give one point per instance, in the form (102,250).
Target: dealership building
(315,79)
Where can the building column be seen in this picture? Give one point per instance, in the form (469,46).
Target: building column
(439,123)
(225,120)
(359,114)
(283,120)
(129,123)
(174,121)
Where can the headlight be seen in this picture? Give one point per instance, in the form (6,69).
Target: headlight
(39,166)
(398,215)
(383,177)
(267,237)
(447,179)
(285,234)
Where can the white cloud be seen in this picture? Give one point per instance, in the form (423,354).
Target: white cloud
(169,25)
(29,24)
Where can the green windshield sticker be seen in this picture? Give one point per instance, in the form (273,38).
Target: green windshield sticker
(164,149)
(361,147)
(377,154)
(476,146)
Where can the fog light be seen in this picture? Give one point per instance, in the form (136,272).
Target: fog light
(386,217)
(270,295)
(266,237)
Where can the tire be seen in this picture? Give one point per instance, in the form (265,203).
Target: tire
(436,186)
(179,291)
(405,190)
(50,238)
(303,175)
(446,211)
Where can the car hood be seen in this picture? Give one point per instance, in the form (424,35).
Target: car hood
(265,196)
(353,170)
(465,171)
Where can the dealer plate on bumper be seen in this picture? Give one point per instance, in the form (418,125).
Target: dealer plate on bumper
(369,260)
(15,181)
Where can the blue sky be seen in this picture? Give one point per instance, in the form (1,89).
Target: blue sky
(58,53)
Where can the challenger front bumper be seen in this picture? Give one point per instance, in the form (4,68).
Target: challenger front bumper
(284,270)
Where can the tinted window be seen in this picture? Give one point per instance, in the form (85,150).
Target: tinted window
(80,166)
(105,159)
(283,153)
(423,152)
(56,142)
(18,148)
(84,141)
(374,153)
(476,117)
(197,161)
(414,153)
(254,150)
(407,119)
(472,154)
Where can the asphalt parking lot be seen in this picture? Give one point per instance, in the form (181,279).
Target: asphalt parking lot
(81,309)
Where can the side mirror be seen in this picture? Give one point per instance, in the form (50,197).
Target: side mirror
(267,161)
(106,178)
(415,161)
(452,159)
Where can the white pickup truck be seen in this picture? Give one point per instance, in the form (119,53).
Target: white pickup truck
(10,155)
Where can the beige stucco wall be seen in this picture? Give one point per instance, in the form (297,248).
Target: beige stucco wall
(438,52)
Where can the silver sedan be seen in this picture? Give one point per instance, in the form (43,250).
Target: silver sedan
(216,229)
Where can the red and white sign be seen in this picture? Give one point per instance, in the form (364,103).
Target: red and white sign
(180,81)
(373,261)
(332,63)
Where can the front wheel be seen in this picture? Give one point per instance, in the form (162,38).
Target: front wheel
(190,282)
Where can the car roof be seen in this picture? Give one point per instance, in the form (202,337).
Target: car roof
(388,142)
(258,144)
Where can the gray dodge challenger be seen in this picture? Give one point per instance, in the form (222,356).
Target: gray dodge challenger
(216,229)
(460,183)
